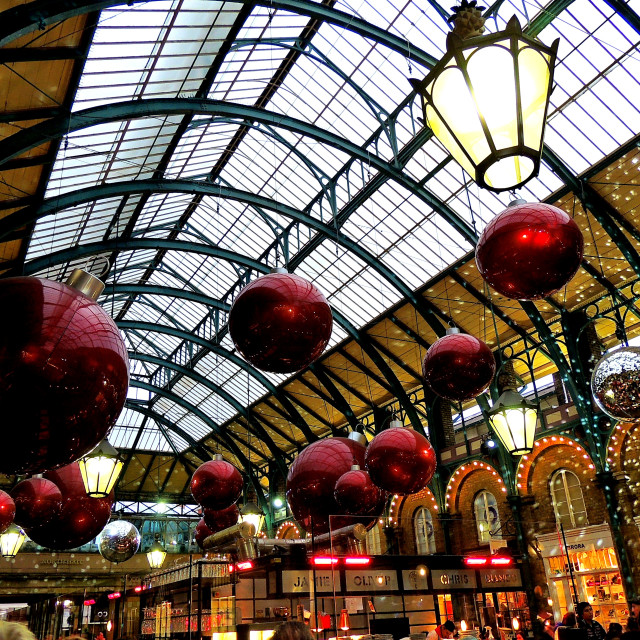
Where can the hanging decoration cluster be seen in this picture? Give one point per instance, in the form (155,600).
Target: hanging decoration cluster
(280,322)
(216,486)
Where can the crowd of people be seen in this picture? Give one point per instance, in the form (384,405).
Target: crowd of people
(582,620)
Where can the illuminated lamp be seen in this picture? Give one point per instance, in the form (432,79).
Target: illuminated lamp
(345,623)
(138,589)
(11,540)
(88,603)
(463,625)
(156,554)
(476,561)
(422,570)
(100,469)
(501,561)
(114,596)
(515,624)
(513,419)
(245,565)
(324,561)
(109,625)
(357,561)
(254,515)
(486,100)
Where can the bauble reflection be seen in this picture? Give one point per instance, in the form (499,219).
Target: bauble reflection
(216,484)
(222,519)
(38,500)
(357,495)
(7,510)
(202,532)
(118,541)
(615,384)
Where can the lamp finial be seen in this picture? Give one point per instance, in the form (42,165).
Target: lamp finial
(467,20)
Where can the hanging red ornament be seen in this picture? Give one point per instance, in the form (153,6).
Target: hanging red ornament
(216,484)
(357,495)
(38,500)
(400,460)
(219,520)
(80,519)
(280,322)
(458,366)
(530,250)
(64,374)
(202,531)
(7,511)
(312,479)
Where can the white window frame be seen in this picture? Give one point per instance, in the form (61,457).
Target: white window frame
(423,531)
(487,531)
(573,511)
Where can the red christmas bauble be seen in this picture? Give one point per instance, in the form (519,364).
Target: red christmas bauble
(202,531)
(219,520)
(280,322)
(400,460)
(216,484)
(458,367)
(64,374)
(357,495)
(37,501)
(7,510)
(529,251)
(312,479)
(80,518)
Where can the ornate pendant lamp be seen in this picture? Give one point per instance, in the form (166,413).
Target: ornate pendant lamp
(11,541)
(486,100)
(513,420)
(156,554)
(100,470)
(254,515)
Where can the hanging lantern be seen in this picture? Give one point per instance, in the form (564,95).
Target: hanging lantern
(615,384)
(156,554)
(280,322)
(513,420)
(100,470)
(80,518)
(11,541)
(254,515)
(118,541)
(216,484)
(400,460)
(486,100)
(221,519)
(458,366)
(7,510)
(312,479)
(530,250)
(38,500)
(345,624)
(357,495)
(64,372)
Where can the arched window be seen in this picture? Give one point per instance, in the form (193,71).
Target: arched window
(568,502)
(423,528)
(487,517)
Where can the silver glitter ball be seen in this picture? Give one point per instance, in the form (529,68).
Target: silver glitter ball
(615,384)
(118,541)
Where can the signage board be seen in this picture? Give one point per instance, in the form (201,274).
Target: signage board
(301,581)
(381,580)
(454,579)
(413,581)
(496,578)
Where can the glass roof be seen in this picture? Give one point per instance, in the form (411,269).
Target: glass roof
(341,83)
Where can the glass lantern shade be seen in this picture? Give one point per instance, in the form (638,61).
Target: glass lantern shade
(156,555)
(252,514)
(513,420)
(100,470)
(486,101)
(11,541)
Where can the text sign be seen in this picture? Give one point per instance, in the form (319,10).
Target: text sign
(413,581)
(371,580)
(300,581)
(500,578)
(455,579)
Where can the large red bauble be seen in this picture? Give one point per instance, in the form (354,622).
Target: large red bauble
(312,479)
(216,484)
(7,510)
(529,251)
(64,374)
(38,500)
(356,495)
(202,531)
(400,460)
(219,520)
(280,322)
(458,367)
(80,519)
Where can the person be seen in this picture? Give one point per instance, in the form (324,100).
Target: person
(632,631)
(614,632)
(584,613)
(444,630)
(292,630)
(635,608)
(14,631)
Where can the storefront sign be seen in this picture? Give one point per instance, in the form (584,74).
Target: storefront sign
(383,580)
(495,578)
(590,538)
(413,581)
(456,579)
(300,581)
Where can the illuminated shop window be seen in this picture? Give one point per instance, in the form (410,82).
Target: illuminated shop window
(487,517)
(568,502)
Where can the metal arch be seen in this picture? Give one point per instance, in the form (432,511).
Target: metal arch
(225,395)
(38,134)
(215,429)
(426,308)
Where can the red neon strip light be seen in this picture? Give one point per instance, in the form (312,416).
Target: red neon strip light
(138,589)
(324,561)
(501,561)
(243,566)
(114,595)
(475,562)
(357,561)
(88,603)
